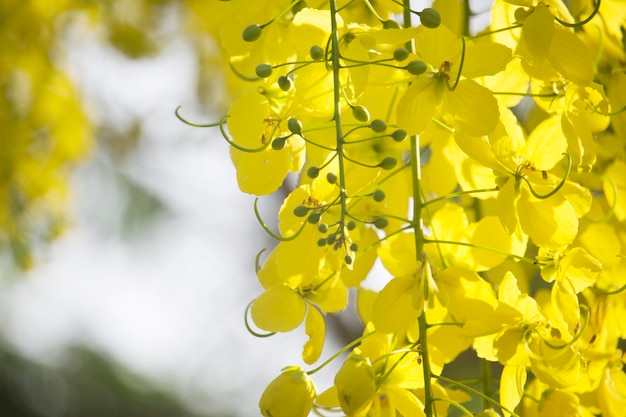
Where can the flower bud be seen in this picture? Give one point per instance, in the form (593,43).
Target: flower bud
(291,394)
(521,14)
(354,247)
(294,126)
(400,54)
(279,143)
(263,70)
(430,18)
(313,172)
(388,163)
(351,225)
(252,32)
(378,195)
(356,385)
(378,126)
(380,222)
(399,135)
(323,228)
(314,217)
(301,211)
(331,178)
(391,24)
(284,83)
(348,259)
(316,52)
(416,67)
(360,113)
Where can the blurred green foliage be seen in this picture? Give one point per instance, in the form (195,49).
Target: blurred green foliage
(84,384)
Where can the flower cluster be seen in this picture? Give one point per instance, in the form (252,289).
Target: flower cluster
(469,165)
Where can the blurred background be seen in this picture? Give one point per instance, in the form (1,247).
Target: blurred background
(126,249)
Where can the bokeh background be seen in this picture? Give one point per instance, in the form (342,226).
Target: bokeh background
(126,249)
(127,260)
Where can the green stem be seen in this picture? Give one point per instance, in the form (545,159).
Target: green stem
(416,222)
(343,349)
(336,65)
(471,390)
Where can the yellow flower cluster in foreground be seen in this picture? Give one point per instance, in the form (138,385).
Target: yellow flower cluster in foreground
(467,164)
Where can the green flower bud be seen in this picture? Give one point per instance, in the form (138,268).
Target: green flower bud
(279,143)
(348,259)
(378,195)
(263,70)
(381,222)
(399,135)
(430,18)
(388,163)
(416,67)
(351,225)
(313,172)
(298,6)
(400,54)
(316,52)
(321,242)
(360,113)
(391,24)
(330,239)
(354,247)
(331,178)
(521,14)
(284,83)
(378,126)
(314,218)
(294,126)
(301,211)
(252,32)
(323,228)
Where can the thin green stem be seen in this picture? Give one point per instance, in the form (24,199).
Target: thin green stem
(343,349)
(336,65)
(477,393)
(487,248)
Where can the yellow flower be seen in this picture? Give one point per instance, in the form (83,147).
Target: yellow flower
(469,107)
(291,394)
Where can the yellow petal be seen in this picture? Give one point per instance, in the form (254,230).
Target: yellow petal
(570,56)
(485,58)
(394,308)
(471,107)
(279,309)
(512,383)
(537,32)
(551,223)
(398,254)
(546,144)
(405,402)
(316,330)
(417,106)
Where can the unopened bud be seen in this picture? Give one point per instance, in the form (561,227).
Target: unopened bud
(378,126)
(400,54)
(416,67)
(360,113)
(316,52)
(294,126)
(430,18)
(263,70)
(252,32)
(388,163)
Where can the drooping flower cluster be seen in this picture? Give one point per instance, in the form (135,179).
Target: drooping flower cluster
(470,165)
